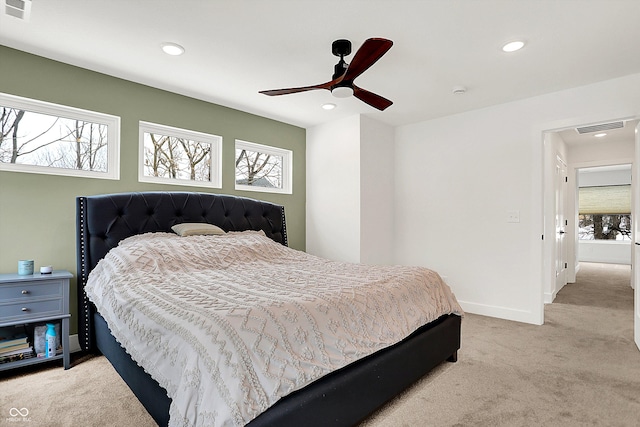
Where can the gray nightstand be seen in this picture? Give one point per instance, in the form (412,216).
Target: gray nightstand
(36,299)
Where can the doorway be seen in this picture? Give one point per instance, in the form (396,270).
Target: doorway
(581,148)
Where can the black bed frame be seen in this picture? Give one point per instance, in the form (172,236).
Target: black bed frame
(342,398)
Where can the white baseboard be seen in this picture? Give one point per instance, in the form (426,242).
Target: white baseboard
(74,343)
(500,312)
(549,297)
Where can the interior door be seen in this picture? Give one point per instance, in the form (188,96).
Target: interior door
(636,236)
(561,224)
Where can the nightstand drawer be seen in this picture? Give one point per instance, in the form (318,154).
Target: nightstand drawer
(29,290)
(28,309)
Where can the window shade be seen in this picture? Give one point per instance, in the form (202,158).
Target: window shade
(610,199)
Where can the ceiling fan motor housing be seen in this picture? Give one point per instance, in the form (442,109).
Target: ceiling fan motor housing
(341,48)
(339,69)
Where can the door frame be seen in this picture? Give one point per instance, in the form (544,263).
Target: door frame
(561,235)
(635,253)
(547,210)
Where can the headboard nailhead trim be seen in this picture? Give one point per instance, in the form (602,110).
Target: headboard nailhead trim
(83,271)
(284,229)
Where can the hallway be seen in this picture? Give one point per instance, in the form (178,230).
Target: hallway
(600,285)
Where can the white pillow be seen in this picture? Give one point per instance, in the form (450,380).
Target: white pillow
(196,228)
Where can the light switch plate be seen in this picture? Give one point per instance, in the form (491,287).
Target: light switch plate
(513,216)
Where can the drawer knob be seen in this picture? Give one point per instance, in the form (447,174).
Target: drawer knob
(25,292)
(25,309)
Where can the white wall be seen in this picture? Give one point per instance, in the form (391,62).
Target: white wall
(601,154)
(456,179)
(457,176)
(350,191)
(600,176)
(333,190)
(606,251)
(376,191)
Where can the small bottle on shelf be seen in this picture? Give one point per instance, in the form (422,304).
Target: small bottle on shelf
(50,341)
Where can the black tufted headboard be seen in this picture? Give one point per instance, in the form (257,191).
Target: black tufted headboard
(102,221)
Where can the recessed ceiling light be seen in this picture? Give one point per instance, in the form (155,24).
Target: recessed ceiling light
(173,49)
(459,90)
(600,135)
(513,46)
(329,106)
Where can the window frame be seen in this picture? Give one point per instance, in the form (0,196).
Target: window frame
(287,167)
(63,111)
(216,154)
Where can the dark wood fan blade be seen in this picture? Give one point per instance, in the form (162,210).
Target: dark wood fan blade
(298,89)
(376,101)
(370,51)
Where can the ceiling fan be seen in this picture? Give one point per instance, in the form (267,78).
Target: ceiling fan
(341,85)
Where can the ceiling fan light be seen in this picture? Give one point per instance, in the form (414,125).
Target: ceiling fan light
(342,91)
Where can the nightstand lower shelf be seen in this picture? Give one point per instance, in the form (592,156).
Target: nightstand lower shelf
(34,300)
(34,360)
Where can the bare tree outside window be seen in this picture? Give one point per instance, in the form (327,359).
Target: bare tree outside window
(258,169)
(604,227)
(176,158)
(38,139)
(171,154)
(263,168)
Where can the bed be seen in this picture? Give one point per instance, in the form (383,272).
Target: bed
(340,398)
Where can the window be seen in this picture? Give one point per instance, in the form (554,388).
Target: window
(170,155)
(604,212)
(41,137)
(263,168)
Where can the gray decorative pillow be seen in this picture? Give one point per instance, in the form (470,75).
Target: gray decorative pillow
(196,228)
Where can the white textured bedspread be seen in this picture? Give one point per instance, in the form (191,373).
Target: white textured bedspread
(230,324)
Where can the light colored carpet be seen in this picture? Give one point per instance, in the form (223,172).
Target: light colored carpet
(89,394)
(580,368)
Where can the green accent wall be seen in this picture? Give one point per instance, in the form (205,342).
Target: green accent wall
(37,212)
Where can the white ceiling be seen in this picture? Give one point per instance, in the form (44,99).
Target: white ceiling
(626,133)
(235,48)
